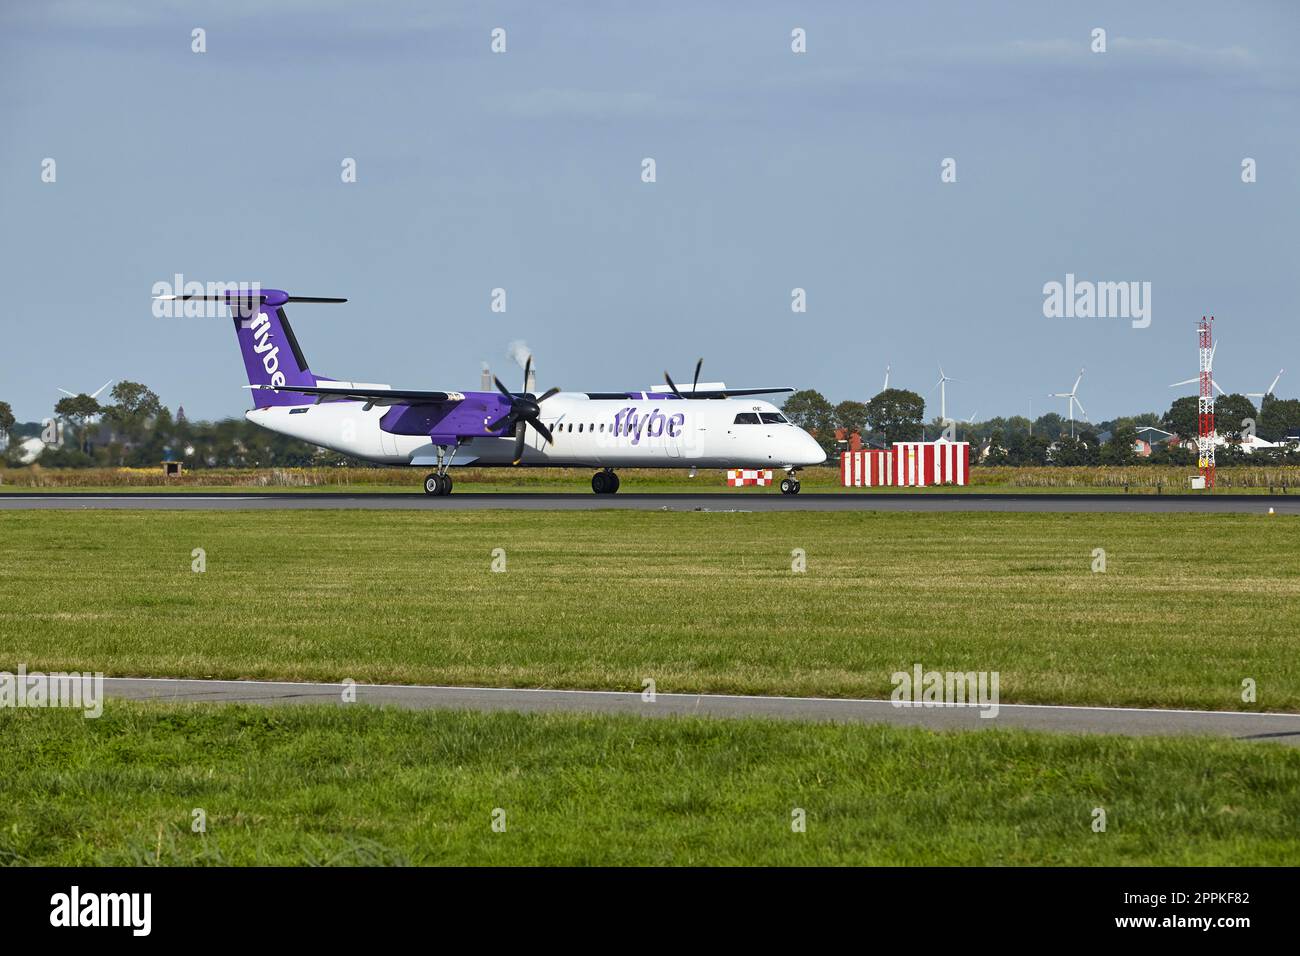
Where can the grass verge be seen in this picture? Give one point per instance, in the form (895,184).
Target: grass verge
(326,785)
(700,602)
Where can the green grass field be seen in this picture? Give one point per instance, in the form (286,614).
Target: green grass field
(323,785)
(696,601)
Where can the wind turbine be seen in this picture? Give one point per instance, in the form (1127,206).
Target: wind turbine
(885,387)
(1268,391)
(1072,396)
(1197,381)
(943,394)
(95,394)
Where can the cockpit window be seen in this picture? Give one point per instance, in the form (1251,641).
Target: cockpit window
(773,418)
(746,418)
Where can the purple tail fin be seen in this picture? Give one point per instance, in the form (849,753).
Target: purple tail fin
(271,352)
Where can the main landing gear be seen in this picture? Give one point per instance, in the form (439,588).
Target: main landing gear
(436,484)
(604,482)
(439,483)
(790,485)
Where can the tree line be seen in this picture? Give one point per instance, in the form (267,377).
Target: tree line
(135,429)
(897,414)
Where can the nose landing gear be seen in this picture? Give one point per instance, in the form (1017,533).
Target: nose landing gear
(790,483)
(604,482)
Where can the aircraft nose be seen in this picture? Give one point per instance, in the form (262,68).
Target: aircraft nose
(807,451)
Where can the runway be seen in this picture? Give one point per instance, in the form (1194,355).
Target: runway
(667,501)
(1279,728)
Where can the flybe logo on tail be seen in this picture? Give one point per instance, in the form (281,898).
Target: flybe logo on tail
(261,329)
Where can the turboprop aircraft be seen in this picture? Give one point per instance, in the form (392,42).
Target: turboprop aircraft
(707,425)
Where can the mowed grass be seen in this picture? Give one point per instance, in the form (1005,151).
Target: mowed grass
(1188,607)
(330,785)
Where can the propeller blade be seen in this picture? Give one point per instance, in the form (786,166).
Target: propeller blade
(528,367)
(695,380)
(502,389)
(500,422)
(519,443)
(542,430)
(553,390)
(671,384)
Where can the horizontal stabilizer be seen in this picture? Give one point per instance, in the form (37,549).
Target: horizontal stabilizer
(271,297)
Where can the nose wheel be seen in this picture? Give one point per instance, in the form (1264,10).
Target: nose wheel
(789,486)
(604,482)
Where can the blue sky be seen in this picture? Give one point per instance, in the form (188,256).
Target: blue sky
(522,171)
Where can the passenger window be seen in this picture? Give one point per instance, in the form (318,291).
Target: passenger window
(746,418)
(580,429)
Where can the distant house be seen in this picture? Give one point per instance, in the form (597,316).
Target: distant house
(1149,437)
(1249,445)
(851,440)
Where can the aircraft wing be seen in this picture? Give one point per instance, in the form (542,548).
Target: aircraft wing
(733,392)
(371,394)
(662,391)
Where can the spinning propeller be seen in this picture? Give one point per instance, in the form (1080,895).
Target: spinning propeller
(694,382)
(524,409)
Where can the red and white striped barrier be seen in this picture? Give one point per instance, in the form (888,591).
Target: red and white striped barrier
(909,464)
(737,478)
(867,468)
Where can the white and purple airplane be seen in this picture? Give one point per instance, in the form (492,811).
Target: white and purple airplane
(705,426)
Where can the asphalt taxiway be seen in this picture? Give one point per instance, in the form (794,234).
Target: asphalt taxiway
(666,501)
(1280,728)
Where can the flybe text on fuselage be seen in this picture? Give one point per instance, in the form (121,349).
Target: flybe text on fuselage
(631,422)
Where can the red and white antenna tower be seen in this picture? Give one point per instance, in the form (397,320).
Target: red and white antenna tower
(1205,405)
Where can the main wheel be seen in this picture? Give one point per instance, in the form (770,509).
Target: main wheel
(436,485)
(613,483)
(446,484)
(600,483)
